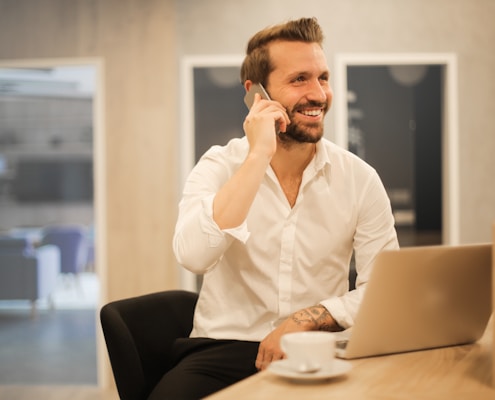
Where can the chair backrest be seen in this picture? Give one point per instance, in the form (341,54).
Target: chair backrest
(139,333)
(26,272)
(18,274)
(71,240)
(12,245)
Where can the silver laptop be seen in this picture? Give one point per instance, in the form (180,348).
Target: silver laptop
(422,298)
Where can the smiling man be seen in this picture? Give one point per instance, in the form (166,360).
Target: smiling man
(272,220)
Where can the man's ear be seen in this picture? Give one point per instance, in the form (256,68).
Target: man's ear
(247,85)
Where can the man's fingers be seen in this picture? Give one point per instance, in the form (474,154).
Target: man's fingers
(264,358)
(260,358)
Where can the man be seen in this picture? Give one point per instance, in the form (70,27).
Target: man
(272,220)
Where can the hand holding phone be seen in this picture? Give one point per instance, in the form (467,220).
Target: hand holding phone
(255,88)
(249,99)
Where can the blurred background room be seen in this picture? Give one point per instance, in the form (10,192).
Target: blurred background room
(106,105)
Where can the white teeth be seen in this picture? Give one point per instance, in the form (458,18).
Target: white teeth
(313,113)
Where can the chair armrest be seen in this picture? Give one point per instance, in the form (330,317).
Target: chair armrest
(48,269)
(139,333)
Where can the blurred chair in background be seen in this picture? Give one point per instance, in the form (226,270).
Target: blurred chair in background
(90,260)
(71,240)
(27,273)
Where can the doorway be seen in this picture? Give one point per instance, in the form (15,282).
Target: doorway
(397,112)
(50,146)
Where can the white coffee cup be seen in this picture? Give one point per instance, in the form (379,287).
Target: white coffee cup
(308,351)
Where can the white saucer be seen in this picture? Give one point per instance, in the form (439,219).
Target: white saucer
(335,368)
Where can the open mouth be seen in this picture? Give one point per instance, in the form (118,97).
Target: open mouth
(312,113)
(311,109)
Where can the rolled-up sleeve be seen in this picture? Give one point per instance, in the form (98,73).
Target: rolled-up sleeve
(198,242)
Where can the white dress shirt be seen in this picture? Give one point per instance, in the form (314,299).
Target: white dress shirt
(282,259)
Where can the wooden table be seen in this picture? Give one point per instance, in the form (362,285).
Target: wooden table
(460,372)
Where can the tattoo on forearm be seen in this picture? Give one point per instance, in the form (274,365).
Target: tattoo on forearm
(318,316)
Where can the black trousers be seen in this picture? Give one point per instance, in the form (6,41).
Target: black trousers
(204,366)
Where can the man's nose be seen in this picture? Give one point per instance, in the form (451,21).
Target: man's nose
(317,92)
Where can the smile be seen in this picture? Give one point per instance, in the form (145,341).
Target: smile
(312,113)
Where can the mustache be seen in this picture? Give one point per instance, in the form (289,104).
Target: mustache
(310,103)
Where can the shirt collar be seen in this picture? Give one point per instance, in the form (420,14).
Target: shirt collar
(322,158)
(320,162)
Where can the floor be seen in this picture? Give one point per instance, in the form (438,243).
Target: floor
(14,392)
(52,347)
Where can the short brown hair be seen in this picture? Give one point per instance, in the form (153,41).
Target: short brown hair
(257,64)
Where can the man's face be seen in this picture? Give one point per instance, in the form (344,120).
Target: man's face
(300,82)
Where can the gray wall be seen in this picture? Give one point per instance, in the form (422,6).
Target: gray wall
(463,27)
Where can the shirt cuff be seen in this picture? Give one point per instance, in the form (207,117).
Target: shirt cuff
(336,308)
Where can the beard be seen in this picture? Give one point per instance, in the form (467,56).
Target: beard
(299,133)
(303,132)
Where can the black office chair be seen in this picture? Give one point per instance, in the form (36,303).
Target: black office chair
(139,333)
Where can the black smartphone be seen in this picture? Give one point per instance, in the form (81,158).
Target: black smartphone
(255,88)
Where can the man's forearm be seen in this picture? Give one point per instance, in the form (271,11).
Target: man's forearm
(234,199)
(316,318)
